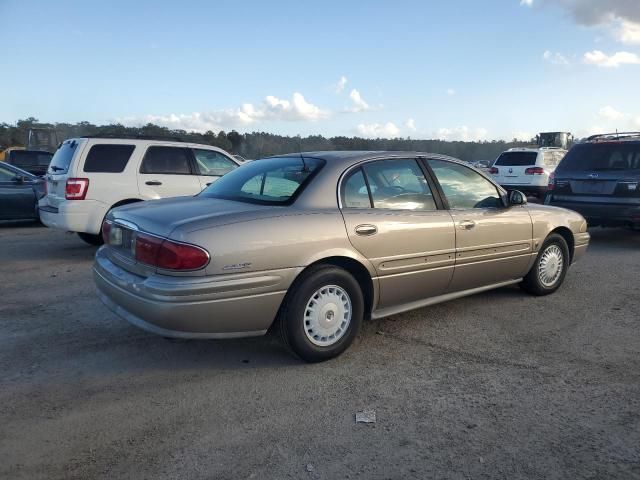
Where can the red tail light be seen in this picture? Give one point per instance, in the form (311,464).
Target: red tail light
(534,171)
(76,188)
(552,181)
(169,255)
(494,171)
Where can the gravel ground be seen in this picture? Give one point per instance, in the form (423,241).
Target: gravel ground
(498,385)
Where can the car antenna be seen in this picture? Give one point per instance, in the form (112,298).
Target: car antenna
(304,164)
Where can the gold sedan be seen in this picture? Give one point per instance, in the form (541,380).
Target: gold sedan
(316,243)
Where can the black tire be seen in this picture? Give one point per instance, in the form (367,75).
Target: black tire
(532,283)
(95,240)
(291,318)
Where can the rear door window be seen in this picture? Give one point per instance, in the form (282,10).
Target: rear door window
(210,162)
(517,159)
(108,158)
(167,160)
(465,188)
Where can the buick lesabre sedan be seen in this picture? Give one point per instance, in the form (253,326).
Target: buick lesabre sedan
(316,243)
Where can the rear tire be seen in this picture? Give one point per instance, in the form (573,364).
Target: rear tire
(550,267)
(321,314)
(95,240)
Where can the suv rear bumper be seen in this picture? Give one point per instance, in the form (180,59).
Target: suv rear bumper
(74,215)
(605,214)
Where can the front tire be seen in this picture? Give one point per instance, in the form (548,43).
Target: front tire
(321,314)
(95,240)
(550,267)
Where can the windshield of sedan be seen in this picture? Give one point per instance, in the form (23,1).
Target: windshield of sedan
(272,181)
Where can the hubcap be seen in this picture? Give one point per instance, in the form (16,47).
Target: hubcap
(327,315)
(551,264)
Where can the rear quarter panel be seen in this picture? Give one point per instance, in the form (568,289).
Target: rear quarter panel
(293,239)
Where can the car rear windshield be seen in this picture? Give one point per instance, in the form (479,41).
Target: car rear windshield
(63,156)
(26,158)
(272,181)
(602,156)
(517,159)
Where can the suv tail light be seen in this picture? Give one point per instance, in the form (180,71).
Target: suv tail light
(534,171)
(552,181)
(167,254)
(494,171)
(76,188)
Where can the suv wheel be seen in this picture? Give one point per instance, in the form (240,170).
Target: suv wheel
(550,267)
(91,239)
(321,314)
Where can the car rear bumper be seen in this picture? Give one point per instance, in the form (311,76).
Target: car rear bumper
(609,214)
(74,215)
(224,306)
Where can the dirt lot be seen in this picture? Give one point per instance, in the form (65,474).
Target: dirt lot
(499,385)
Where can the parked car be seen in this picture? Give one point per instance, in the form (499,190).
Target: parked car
(19,193)
(35,162)
(482,165)
(88,176)
(600,178)
(322,241)
(527,169)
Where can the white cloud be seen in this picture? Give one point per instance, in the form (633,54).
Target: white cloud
(376,130)
(601,59)
(410,124)
(339,87)
(272,108)
(620,17)
(359,104)
(610,113)
(555,58)
(463,133)
(451,91)
(628,32)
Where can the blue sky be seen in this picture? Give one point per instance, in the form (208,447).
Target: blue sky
(455,70)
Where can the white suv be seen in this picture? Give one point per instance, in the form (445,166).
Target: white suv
(526,169)
(88,176)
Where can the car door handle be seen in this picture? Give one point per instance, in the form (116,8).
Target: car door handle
(153,182)
(466,224)
(366,230)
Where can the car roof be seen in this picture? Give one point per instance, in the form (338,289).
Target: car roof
(348,157)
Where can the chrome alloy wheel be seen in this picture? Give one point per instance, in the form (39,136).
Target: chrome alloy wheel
(327,315)
(550,265)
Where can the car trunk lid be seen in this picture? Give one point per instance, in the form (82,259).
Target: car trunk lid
(60,169)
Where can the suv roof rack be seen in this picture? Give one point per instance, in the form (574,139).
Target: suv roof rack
(135,137)
(604,137)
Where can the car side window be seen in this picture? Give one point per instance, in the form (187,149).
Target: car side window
(355,193)
(463,187)
(6,175)
(210,162)
(166,160)
(392,184)
(108,158)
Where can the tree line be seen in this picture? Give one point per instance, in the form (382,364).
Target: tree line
(260,144)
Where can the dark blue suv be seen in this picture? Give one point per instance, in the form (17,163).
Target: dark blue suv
(600,179)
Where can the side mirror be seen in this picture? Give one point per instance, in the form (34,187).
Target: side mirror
(516,197)
(18,179)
